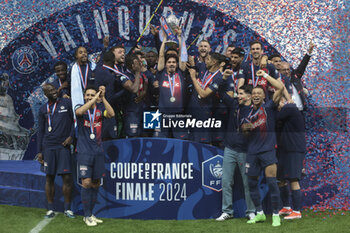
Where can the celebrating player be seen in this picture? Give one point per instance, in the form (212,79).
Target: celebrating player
(291,151)
(90,155)
(260,125)
(55,134)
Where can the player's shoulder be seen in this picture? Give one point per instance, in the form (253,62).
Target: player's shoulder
(269,104)
(271,67)
(218,75)
(126,76)
(244,110)
(65,101)
(245,65)
(43,107)
(54,82)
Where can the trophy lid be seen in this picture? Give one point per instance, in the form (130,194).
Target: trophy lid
(172,21)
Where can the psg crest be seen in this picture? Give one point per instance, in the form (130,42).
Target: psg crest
(25,60)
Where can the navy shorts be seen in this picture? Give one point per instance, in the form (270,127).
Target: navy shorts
(256,162)
(133,124)
(91,165)
(57,161)
(290,165)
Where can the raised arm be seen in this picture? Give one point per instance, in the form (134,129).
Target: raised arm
(278,85)
(81,110)
(161,57)
(182,64)
(285,92)
(134,87)
(201,92)
(109,109)
(303,64)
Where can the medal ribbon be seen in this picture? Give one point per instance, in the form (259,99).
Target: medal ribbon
(208,78)
(255,82)
(92,120)
(250,114)
(235,81)
(48,113)
(116,70)
(172,84)
(84,80)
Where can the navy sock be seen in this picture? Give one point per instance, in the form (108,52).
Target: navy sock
(254,193)
(274,192)
(86,200)
(94,193)
(50,206)
(296,198)
(284,190)
(67,206)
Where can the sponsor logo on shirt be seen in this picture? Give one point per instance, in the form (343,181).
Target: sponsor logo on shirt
(96,124)
(166,84)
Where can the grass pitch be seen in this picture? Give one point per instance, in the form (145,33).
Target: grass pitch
(16,219)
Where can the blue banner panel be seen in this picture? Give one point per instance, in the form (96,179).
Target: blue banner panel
(162,179)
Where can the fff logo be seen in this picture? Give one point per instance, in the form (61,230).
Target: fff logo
(212,173)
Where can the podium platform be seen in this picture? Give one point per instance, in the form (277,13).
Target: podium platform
(146,178)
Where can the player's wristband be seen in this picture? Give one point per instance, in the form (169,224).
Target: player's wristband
(265,75)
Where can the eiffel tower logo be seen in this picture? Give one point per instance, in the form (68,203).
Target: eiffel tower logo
(25,62)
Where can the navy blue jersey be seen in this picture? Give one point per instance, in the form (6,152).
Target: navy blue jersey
(200,67)
(85,144)
(106,77)
(196,103)
(247,70)
(171,86)
(262,137)
(131,105)
(57,84)
(233,81)
(61,123)
(292,135)
(226,86)
(148,79)
(152,92)
(120,68)
(235,139)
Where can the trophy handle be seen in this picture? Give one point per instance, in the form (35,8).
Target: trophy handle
(180,22)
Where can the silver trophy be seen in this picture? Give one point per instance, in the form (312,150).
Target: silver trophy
(173,24)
